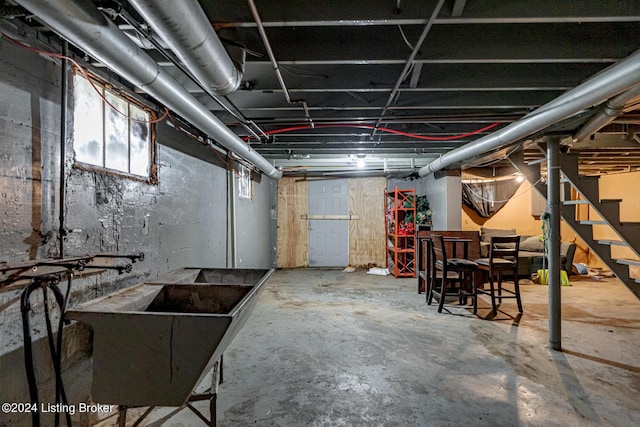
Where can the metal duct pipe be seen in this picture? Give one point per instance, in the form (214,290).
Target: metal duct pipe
(594,91)
(191,37)
(162,50)
(608,113)
(83,25)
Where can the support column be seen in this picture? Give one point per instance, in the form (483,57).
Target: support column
(443,191)
(231,217)
(553,208)
(64,120)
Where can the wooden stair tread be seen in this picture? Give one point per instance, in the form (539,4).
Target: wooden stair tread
(612,242)
(628,261)
(586,202)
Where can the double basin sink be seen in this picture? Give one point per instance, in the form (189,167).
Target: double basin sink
(154,342)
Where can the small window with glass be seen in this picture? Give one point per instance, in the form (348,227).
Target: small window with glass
(111,132)
(245,184)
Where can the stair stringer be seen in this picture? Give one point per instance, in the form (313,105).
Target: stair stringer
(568,213)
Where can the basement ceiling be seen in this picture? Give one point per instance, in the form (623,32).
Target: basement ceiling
(386,87)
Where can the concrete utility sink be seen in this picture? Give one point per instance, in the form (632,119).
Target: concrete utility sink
(212,275)
(154,342)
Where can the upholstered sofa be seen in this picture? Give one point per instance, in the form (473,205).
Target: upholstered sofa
(531,251)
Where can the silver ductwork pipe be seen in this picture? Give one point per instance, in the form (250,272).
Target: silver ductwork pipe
(608,113)
(607,83)
(189,34)
(83,25)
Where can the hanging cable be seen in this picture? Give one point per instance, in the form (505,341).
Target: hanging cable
(85,74)
(48,282)
(383,129)
(56,352)
(404,37)
(55,346)
(90,79)
(25,308)
(55,349)
(546,235)
(63,309)
(408,64)
(52,347)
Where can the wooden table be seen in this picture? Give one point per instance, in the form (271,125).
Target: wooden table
(470,249)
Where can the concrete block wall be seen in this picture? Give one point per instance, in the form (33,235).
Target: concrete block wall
(444,195)
(180,221)
(255,219)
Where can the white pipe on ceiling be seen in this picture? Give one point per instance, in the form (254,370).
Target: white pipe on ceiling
(605,84)
(189,34)
(607,114)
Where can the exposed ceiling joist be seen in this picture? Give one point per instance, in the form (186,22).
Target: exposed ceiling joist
(417,67)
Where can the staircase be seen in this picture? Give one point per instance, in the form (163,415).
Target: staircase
(586,187)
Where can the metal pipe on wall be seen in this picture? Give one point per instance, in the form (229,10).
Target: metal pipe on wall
(191,37)
(594,91)
(608,113)
(231,219)
(64,117)
(553,201)
(83,25)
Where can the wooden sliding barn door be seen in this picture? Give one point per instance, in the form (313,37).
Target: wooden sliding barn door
(359,242)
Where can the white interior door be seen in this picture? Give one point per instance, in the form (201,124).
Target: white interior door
(328,238)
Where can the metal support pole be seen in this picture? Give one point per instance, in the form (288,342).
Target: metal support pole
(213,402)
(64,117)
(122,416)
(231,218)
(553,203)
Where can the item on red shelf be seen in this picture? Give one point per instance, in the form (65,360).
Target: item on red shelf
(406,229)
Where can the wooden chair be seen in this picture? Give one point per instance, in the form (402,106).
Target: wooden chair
(429,273)
(450,276)
(503,257)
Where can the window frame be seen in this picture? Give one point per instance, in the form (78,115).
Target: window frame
(120,94)
(245,182)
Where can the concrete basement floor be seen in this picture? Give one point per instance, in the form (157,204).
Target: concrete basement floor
(328,348)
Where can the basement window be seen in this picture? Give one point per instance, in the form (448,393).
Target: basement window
(111,132)
(245,189)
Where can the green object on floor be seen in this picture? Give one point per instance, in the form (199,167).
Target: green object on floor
(543,277)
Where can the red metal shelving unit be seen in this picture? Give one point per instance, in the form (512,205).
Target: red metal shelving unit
(400,223)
